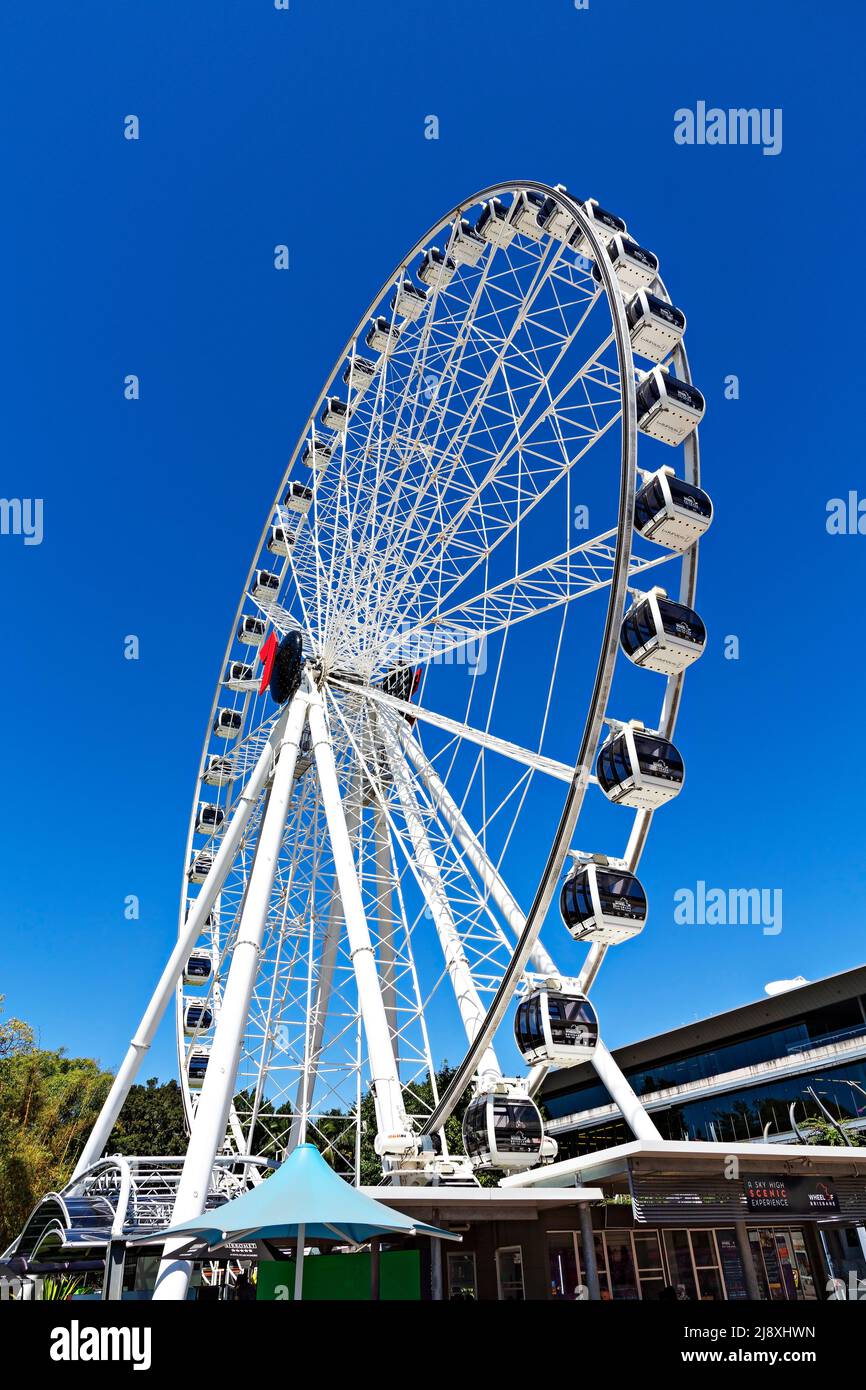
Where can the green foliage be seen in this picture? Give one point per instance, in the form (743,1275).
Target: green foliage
(818,1130)
(15,1036)
(151,1122)
(48,1104)
(60,1288)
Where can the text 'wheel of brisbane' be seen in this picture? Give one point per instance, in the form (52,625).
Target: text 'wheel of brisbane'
(422,692)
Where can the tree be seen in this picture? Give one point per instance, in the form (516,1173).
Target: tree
(817,1129)
(151,1121)
(48,1104)
(15,1036)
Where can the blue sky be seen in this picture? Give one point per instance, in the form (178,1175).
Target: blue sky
(155,257)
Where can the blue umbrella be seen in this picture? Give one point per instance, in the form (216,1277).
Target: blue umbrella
(305,1200)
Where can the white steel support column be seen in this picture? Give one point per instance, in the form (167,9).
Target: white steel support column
(472,1011)
(192,929)
(637,1119)
(391,1115)
(385,921)
(487,872)
(209,1124)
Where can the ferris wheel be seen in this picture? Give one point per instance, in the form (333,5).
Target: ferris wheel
(419,699)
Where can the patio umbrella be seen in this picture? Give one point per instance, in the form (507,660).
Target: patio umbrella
(305,1200)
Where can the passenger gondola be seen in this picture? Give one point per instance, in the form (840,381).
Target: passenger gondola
(656,328)
(505,1131)
(603,905)
(299,498)
(633,265)
(227,723)
(317,454)
(358,373)
(382,335)
(196,1067)
(198,969)
(667,408)
(660,635)
(556,220)
(280,541)
(305,754)
(251,631)
(240,676)
(436,269)
(523,214)
(556,1026)
(200,866)
(265,585)
(408,300)
(466,247)
(209,818)
(218,772)
(335,414)
(670,512)
(637,767)
(493,224)
(197,1018)
(605,224)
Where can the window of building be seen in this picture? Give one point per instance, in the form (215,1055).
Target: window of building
(509,1273)
(462,1282)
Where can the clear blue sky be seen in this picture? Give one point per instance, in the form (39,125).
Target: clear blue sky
(155,257)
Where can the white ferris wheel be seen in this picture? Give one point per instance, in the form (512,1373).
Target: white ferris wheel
(383,867)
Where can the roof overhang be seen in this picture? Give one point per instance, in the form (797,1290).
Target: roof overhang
(461,1204)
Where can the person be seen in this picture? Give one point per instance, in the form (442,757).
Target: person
(668,1294)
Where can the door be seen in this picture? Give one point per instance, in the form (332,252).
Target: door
(509,1273)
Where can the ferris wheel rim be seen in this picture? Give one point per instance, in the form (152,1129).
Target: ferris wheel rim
(608,651)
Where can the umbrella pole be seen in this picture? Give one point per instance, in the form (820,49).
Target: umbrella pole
(374,1270)
(299,1264)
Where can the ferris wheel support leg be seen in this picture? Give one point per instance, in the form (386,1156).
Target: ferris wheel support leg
(487,872)
(639,1122)
(390,1111)
(209,1124)
(385,919)
(469,1004)
(164,992)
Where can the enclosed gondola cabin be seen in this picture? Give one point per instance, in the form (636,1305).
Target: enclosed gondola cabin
(466,247)
(299,498)
(555,219)
(639,768)
(671,512)
(493,224)
(280,541)
(197,1018)
(667,408)
(209,818)
(382,335)
(658,634)
(436,269)
(251,631)
(408,300)
(606,226)
(266,584)
(633,266)
(555,1026)
(603,906)
(505,1132)
(227,723)
(198,969)
(240,676)
(196,1067)
(523,214)
(655,327)
(317,455)
(200,867)
(358,373)
(218,772)
(335,414)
